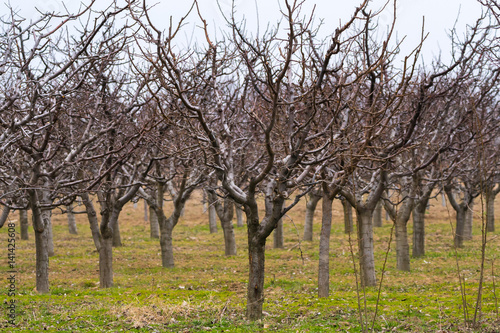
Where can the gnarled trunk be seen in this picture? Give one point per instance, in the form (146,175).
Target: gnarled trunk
(324,248)
(365,240)
(310,208)
(71,220)
(348,225)
(146,207)
(153,224)
(23,218)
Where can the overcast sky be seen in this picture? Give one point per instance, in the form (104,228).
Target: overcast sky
(440,16)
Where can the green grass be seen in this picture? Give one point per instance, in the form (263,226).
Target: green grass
(206,291)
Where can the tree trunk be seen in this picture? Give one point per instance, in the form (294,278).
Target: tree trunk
(278,235)
(71,220)
(348,225)
(419,230)
(41,244)
(468,222)
(443,199)
(229,239)
(117,238)
(402,247)
(204,201)
(153,224)
(365,240)
(255,292)
(42,261)
(490,210)
(225,212)
(212,218)
(23,218)
(47,216)
(239,216)
(146,207)
(106,263)
(167,249)
(377,215)
(460,227)
(310,208)
(324,248)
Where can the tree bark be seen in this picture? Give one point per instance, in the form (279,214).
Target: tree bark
(419,229)
(153,224)
(324,248)
(4,215)
(490,208)
(377,215)
(278,235)
(106,263)
(23,218)
(146,207)
(461,210)
(167,249)
(71,220)
(42,261)
(47,216)
(400,214)
(239,216)
(212,218)
(229,239)
(225,212)
(468,222)
(402,247)
(255,292)
(365,239)
(310,208)
(460,227)
(117,238)
(348,225)
(41,244)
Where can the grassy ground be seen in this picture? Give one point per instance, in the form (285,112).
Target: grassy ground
(206,291)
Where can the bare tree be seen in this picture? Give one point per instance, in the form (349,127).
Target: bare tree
(42,65)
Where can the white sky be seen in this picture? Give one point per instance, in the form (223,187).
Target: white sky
(440,16)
